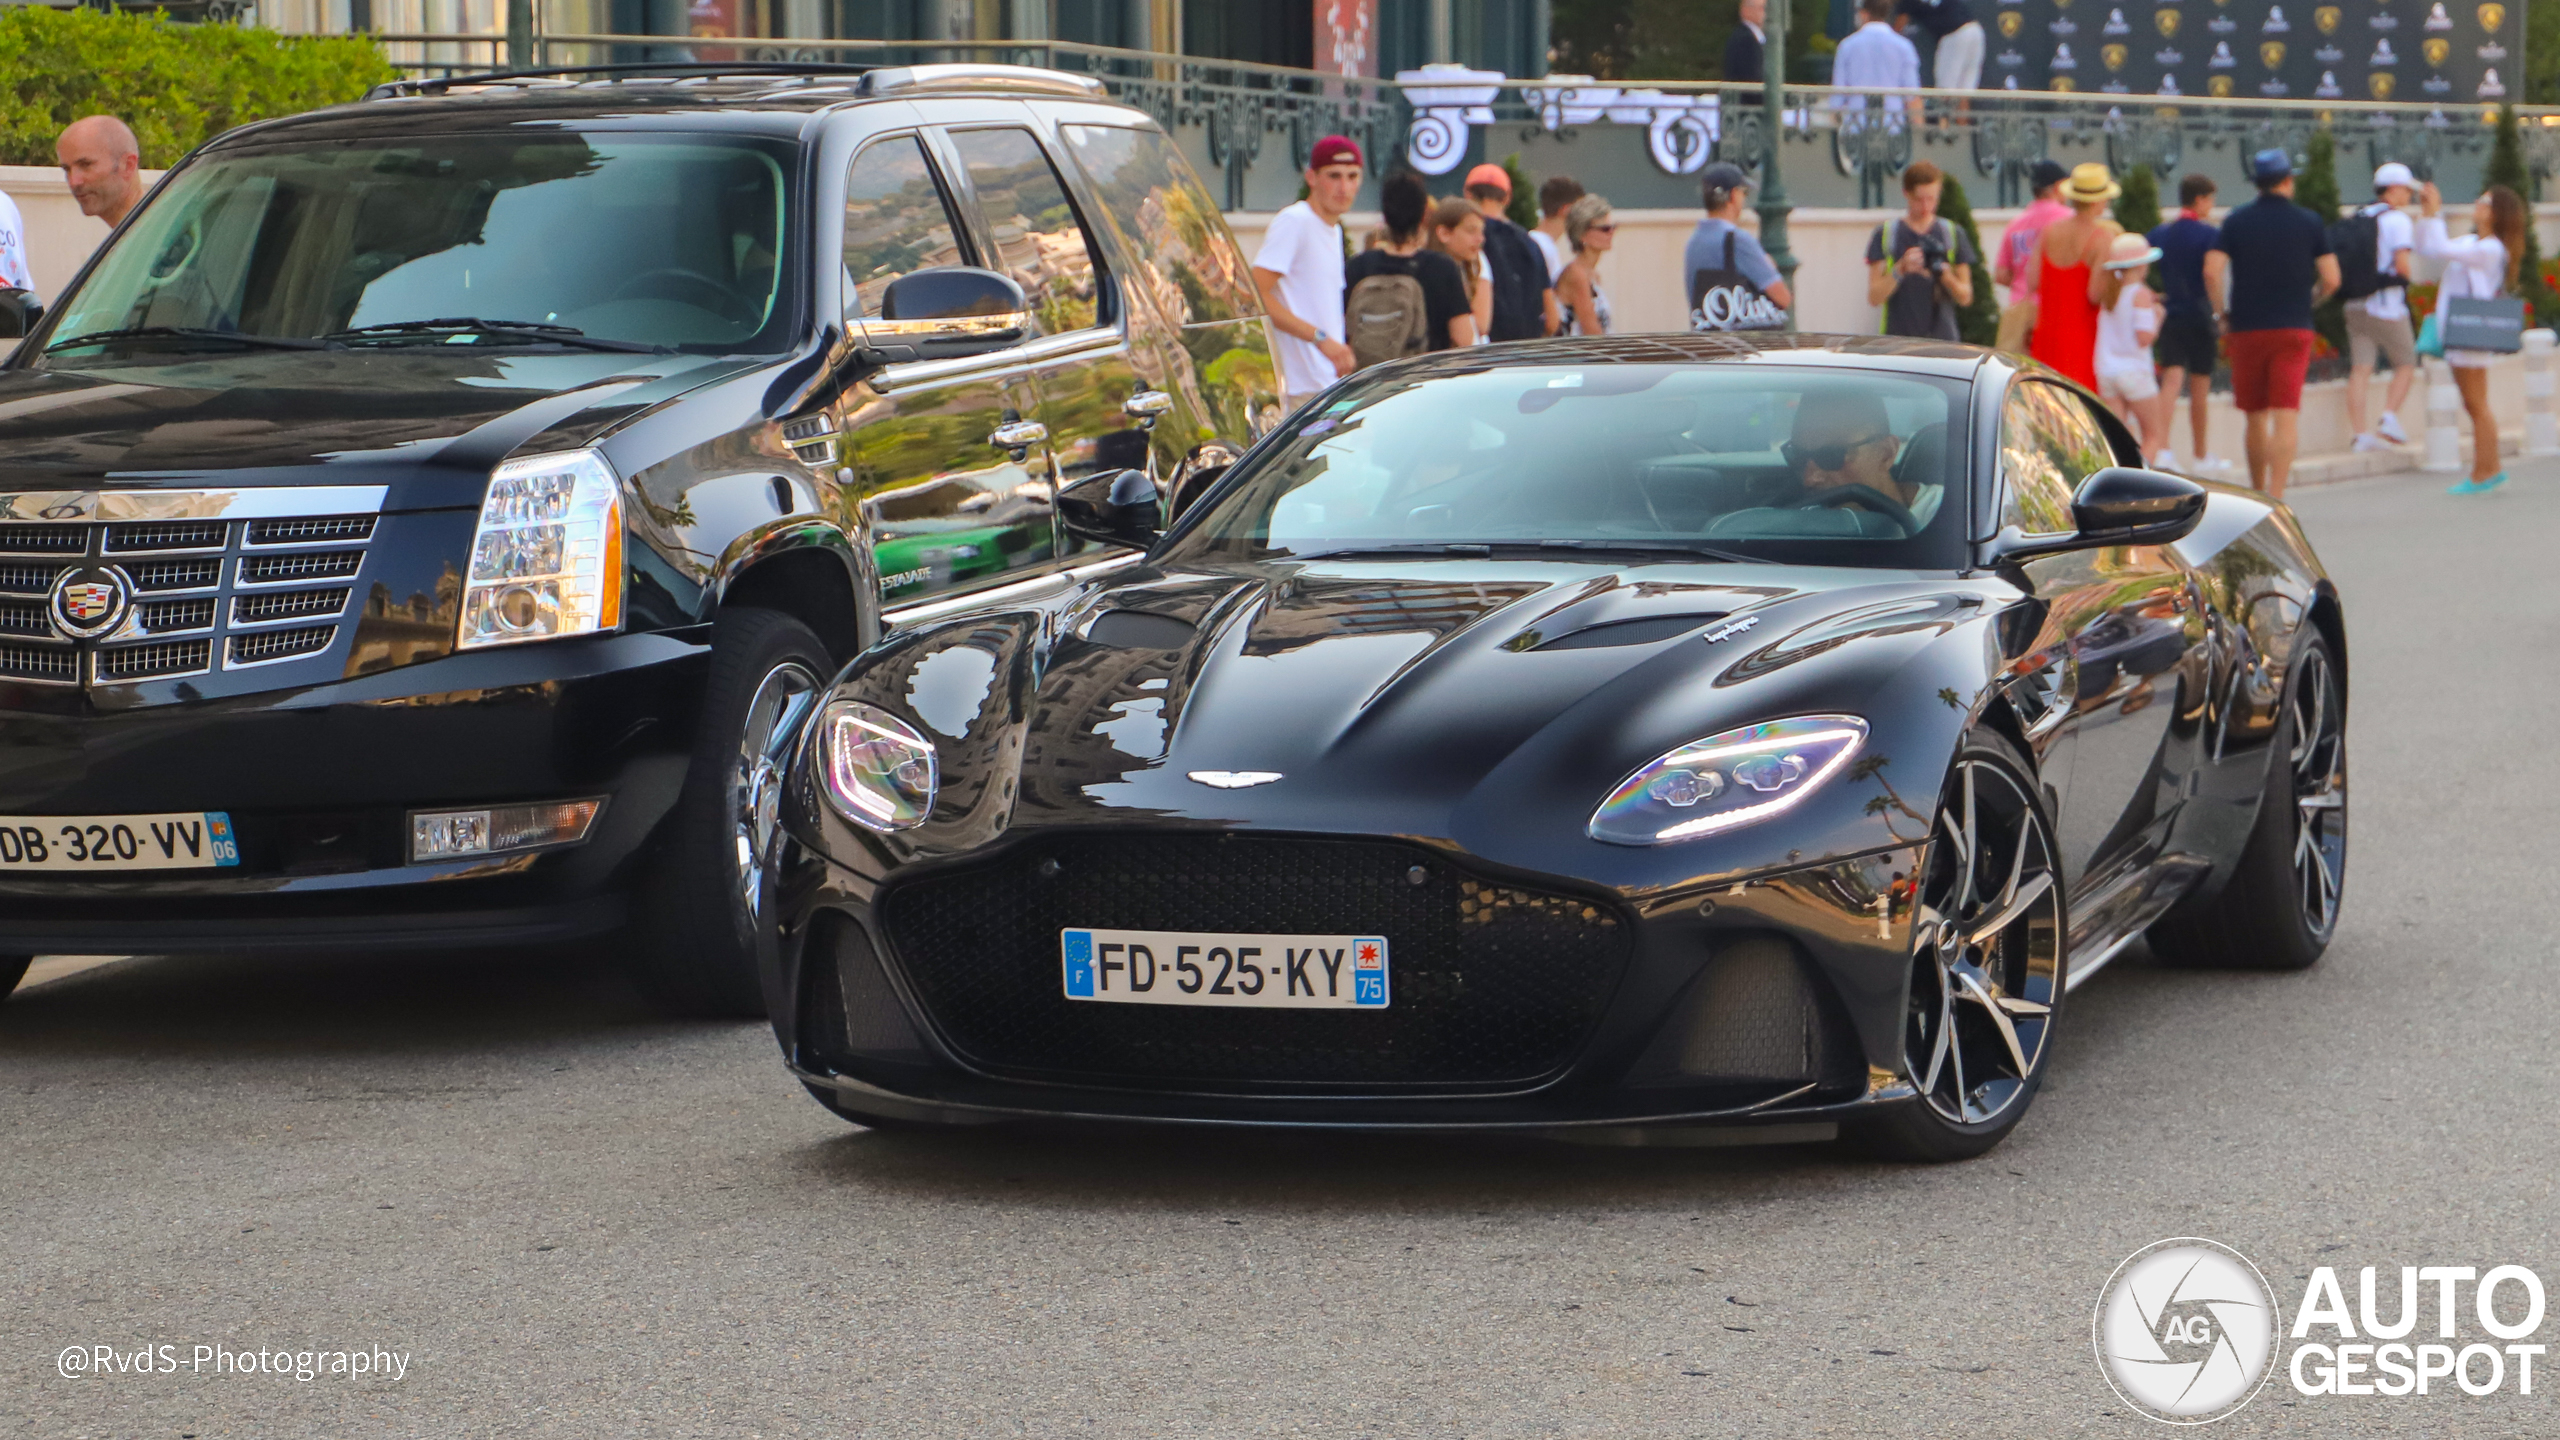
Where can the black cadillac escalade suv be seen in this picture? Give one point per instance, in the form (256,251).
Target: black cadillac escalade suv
(420,520)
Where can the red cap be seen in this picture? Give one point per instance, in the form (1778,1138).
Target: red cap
(1334,150)
(1493,175)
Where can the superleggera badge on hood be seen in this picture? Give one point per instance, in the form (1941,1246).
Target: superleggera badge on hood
(1731,628)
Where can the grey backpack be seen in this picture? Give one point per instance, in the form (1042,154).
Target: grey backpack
(1386,319)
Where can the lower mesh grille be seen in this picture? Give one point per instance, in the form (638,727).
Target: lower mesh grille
(143,662)
(277,644)
(60,664)
(1492,985)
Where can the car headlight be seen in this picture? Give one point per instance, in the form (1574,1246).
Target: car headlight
(1736,778)
(880,773)
(547,558)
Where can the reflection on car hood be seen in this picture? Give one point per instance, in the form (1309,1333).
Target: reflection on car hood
(266,416)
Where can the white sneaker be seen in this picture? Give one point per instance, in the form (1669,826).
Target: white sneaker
(2214,464)
(2370,442)
(2391,431)
(2165,460)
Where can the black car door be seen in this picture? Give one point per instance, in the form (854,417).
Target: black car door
(2120,623)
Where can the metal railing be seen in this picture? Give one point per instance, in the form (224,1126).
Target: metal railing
(1253,126)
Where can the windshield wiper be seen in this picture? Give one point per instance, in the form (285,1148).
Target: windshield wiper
(188,332)
(540,331)
(1490,548)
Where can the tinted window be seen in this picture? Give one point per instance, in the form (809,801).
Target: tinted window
(895,222)
(664,240)
(1168,226)
(1802,466)
(2049,443)
(1037,238)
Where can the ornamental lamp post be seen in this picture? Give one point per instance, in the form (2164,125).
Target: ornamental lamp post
(1773,206)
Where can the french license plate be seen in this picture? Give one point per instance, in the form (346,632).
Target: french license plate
(1271,972)
(97,844)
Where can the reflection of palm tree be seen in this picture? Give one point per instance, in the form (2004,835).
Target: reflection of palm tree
(1872,768)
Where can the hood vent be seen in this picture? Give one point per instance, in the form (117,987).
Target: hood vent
(1643,630)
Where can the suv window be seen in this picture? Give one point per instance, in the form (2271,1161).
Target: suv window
(1168,225)
(1037,238)
(895,222)
(2049,443)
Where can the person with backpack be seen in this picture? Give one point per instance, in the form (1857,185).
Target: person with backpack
(1524,297)
(1920,266)
(1732,282)
(2374,246)
(1401,298)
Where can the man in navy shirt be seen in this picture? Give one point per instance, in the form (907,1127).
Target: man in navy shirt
(2275,254)
(2187,348)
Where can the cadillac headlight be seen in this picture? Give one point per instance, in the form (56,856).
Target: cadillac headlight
(880,773)
(547,558)
(1728,780)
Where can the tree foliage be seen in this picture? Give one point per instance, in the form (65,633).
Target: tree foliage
(176,85)
(1979,322)
(2315,188)
(2507,167)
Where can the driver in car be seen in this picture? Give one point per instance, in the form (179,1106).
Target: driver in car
(1844,446)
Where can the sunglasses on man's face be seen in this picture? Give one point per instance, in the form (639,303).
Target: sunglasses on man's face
(1826,457)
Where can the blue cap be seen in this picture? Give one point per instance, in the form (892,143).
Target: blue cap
(2269,166)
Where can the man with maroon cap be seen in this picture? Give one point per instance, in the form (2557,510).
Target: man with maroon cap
(1524,300)
(1299,271)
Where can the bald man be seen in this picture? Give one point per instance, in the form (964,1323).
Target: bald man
(103,163)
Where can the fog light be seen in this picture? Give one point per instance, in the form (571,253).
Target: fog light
(450,834)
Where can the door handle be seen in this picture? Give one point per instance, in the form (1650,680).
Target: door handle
(1146,407)
(1018,436)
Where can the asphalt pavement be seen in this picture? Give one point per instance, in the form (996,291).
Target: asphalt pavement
(567,1218)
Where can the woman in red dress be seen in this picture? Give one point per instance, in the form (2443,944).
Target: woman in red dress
(2068,278)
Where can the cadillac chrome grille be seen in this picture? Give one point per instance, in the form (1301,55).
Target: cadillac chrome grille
(207,592)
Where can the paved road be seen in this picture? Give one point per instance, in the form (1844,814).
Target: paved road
(577,1221)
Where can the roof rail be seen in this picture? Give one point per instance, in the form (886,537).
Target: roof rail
(1023,79)
(694,69)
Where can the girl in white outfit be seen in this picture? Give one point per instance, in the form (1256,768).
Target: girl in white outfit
(2127,324)
(2481,265)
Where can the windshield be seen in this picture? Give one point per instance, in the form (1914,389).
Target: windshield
(1802,466)
(648,240)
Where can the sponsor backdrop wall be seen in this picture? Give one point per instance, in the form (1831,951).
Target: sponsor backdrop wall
(2411,50)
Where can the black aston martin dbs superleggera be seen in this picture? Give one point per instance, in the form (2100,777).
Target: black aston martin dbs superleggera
(1601,733)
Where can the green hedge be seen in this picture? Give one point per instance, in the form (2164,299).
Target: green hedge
(176,85)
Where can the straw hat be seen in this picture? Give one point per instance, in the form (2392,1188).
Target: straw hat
(2131,252)
(2090,184)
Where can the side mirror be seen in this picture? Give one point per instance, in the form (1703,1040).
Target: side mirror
(19,312)
(946,311)
(1113,507)
(2118,506)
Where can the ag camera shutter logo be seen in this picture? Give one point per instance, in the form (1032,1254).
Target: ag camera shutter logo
(2186,1331)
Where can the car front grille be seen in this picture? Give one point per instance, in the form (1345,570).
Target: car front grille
(1492,985)
(241,593)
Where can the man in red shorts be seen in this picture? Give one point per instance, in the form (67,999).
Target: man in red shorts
(2270,266)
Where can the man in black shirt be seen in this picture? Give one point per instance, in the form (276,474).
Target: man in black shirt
(2276,256)
(1742,47)
(1524,302)
(1447,319)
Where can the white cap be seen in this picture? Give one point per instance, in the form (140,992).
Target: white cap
(2392,174)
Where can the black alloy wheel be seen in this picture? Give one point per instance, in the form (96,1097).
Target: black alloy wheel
(706,907)
(1987,967)
(2279,908)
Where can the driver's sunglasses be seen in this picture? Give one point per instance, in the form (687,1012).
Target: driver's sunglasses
(1826,457)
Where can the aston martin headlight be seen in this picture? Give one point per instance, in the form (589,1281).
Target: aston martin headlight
(547,558)
(1727,780)
(880,773)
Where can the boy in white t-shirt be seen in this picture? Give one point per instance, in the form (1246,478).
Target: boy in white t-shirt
(2127,324)
(1299,271)
(2378,321)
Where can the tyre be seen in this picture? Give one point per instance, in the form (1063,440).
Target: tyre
(13,968)
(705,910)
(1986,975)
(2280,906)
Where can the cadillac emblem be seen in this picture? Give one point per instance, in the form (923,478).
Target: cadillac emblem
(90,600)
